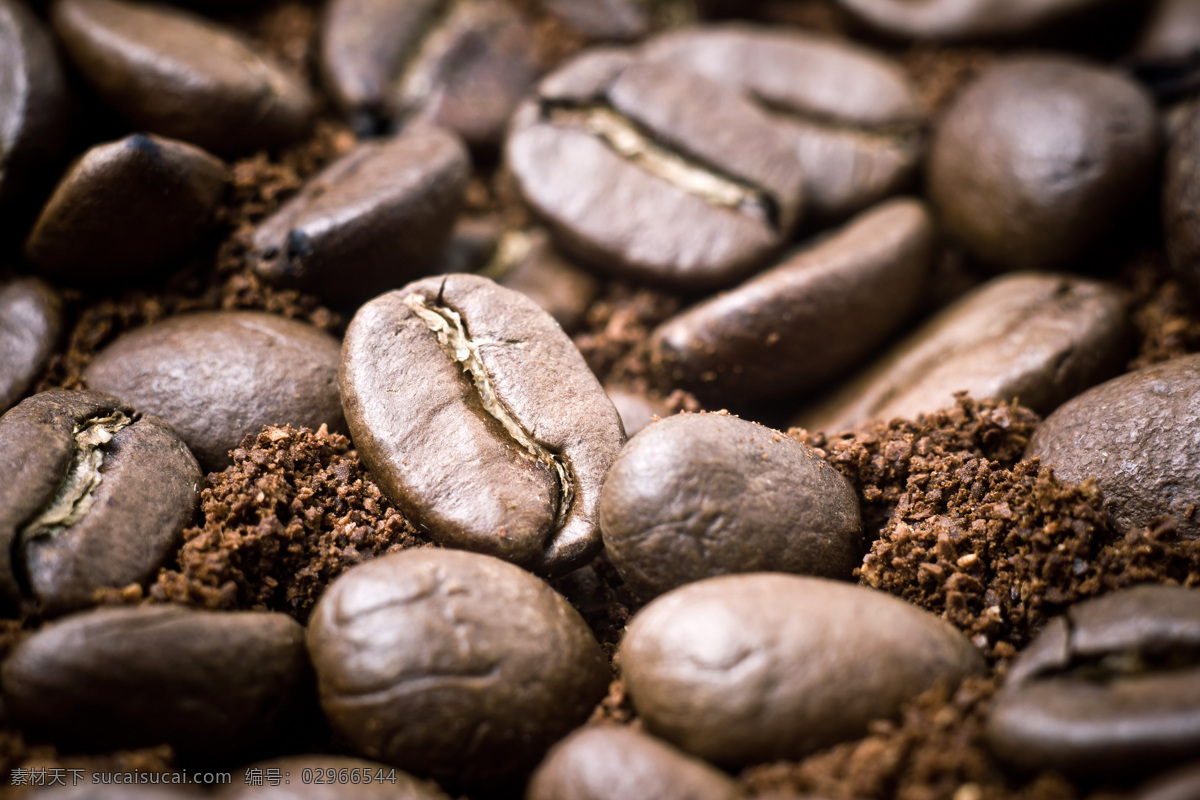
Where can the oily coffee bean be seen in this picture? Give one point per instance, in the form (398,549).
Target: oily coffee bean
(125,210)
(744,669)
(220,376)
(1038,157)
(957,20)
(1136,436)
(699,495)
(800,323)
(332,778)
(852,114)
(655,173)
(637,410)
(452,664)
(1111,688)
(97,497)
(173,73)
(204,682)
(33,102)
(463,64)
(479,418)
(1039,339)
(371,221)
(527,262)
(30,324)
(618,763)
(1181,201)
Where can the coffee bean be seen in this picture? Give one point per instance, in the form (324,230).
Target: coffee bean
(802,322)
(1136,435)
(33,104)
(1038,157)
(207,683)
(614,763)
(1039,339)
(745,669)
(30,324)
(1181,201)
(1179,784)
(699,495)
(97,497)
(637,410)
(452,664)
(125,210)
(852,114)
(371,221)
(956,20)
(220,376)
(527,262)
(480,419)
(463,64)
(652,172)
(326,777)
(176,74)
(1111,688)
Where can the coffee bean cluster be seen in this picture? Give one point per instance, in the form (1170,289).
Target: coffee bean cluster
(496,247)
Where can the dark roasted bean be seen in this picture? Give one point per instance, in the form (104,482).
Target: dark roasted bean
(97,498)
(479,417)
(452,664)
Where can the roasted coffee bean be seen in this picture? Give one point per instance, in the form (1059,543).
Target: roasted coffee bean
(745,669)
(699,495)
(480,419)
(207,683)
(1111,688)
(30,324)
(526,261)
(373,220)
(1038,157)
(637,410)
(957,20)
(33,101)
(97,497)
(452,664)
(852,114)
(176,74)
(615,763)
(125,210)
(1136,436)
(464,64)
(220,376)
(1181,201)
(1039,339)
(806,320)
(653,172)
(326,777)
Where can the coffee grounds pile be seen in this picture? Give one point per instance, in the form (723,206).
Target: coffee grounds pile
(999,551)
(1164,319)
(880,460)
(295,510)
(935,752)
